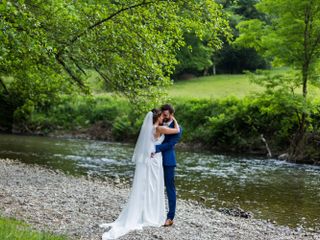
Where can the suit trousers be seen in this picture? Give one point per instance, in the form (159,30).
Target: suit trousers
(169,172)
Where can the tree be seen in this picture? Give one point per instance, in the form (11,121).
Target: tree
(198,56)
(234,58)
(290,35)
(48,47)
(194,57)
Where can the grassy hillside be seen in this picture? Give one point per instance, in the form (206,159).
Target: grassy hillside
(214,87)
(220,86)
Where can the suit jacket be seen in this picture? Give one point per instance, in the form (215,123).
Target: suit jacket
(167,147)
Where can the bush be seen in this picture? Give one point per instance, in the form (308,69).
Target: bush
(237,124)
(80,111)
(229,124)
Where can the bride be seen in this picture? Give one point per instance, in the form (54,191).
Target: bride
(146,203)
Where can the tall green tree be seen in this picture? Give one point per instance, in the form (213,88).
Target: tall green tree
(48,46)
(234,58)
(195,56)
(290,35)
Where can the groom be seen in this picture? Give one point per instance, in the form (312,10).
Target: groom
(169,161)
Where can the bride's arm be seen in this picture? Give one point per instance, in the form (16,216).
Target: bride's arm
(167,130)
(169,145)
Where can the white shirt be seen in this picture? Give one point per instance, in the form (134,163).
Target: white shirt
(168,123)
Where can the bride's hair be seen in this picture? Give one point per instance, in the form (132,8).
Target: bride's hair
(156,114)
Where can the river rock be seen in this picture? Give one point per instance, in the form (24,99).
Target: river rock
(236,212)
(283,156)
(75,206)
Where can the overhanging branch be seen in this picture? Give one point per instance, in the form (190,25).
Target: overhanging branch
(78,65)
(69,71)
(104,77)
(100,22)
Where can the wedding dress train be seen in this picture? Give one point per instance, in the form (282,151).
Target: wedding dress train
(146,203)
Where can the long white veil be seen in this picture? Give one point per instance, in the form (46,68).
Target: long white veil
(146,203)
(145,145)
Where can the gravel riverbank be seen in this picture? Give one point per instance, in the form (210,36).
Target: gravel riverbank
(75,206)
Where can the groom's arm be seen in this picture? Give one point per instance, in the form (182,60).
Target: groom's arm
(169,145)
(166,146)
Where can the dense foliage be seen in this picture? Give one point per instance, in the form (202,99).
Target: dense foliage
(235,58)
(50,49)
(47,47)
(229,125)
(290,35)
(194,58)
(199,58)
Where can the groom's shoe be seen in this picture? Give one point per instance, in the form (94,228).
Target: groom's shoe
(168,223)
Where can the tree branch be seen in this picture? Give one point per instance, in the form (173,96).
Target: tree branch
(75,38)
(77,65)
(69,71)
(267,145)
(109,81)
(104,77)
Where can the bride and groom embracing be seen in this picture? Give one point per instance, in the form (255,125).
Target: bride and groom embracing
(155,168)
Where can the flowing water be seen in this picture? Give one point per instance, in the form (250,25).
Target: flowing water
(286,193)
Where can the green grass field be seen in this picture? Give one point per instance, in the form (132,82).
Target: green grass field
(224,85)
(11,229)
(214,87)
(218,86)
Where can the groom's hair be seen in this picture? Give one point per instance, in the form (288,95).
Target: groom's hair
(167,107)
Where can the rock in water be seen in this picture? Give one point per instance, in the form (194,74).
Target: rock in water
(236,212)
(283,156)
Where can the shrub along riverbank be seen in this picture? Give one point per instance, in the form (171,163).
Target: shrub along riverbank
(229,125)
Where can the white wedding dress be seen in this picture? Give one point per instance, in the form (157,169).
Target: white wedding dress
(146,203)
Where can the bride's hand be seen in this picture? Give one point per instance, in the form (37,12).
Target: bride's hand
(174,119)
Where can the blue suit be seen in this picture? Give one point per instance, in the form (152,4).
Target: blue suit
(169,164)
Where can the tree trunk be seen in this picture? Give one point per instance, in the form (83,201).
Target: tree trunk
(296,152)
(205,72)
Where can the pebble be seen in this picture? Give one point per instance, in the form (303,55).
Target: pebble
(75,206)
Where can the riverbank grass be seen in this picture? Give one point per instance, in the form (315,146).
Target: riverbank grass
(13,229)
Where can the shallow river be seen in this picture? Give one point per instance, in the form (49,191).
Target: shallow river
(286,193)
